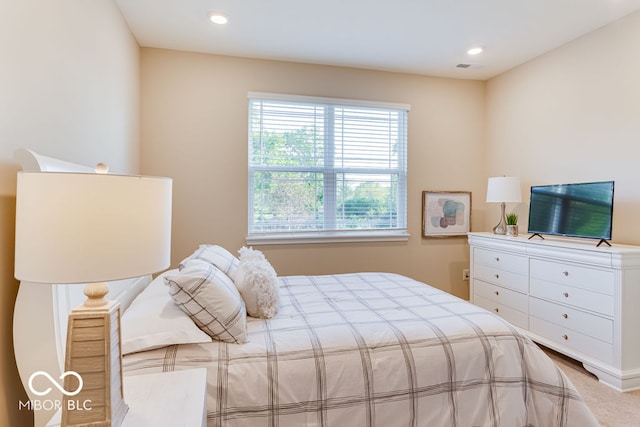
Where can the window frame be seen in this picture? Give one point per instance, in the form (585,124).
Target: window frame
(329,236)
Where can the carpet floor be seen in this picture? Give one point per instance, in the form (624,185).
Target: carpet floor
(611,408)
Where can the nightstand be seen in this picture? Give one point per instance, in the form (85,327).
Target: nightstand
(168,399)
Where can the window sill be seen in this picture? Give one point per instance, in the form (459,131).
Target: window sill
(337,237)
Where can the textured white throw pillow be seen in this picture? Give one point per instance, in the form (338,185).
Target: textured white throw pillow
(218,256)
(258,283)
(211,299)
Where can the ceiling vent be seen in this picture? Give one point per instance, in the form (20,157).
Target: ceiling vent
(470,66)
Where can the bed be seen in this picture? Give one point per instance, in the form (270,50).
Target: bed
(361,349)
(374,349)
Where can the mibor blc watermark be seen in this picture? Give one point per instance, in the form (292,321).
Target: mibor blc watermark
(55,404)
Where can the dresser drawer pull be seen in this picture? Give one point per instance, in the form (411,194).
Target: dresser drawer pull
(566,294)
(497,310)
(497,259)
(497,276)
(497,292)
(566,337)
(566,273)
(565,315)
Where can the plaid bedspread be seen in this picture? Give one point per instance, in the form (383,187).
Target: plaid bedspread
(376,349)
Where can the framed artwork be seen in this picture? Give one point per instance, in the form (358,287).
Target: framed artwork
(446,213)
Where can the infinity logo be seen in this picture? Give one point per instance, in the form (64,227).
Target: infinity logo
(55,383)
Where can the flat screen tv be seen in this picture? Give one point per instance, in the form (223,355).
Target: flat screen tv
(573,210)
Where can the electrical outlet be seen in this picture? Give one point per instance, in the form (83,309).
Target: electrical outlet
(465,274)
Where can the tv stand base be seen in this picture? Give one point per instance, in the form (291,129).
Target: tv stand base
(536,234)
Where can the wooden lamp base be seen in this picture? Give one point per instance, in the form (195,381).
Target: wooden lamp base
(93,352)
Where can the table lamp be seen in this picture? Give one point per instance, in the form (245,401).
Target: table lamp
(91,228)
(503,189)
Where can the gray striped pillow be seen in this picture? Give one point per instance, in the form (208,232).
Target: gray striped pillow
(211,299)
(217,256)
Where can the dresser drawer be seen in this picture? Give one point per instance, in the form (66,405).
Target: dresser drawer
(575,297)
(503,296)
(512,316)
(571,339)
(502,260)
(591,279)
(497,276)
(588,324)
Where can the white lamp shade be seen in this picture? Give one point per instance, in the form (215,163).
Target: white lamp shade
(504,189)
(84,228)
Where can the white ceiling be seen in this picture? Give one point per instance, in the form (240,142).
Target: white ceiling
(414,36)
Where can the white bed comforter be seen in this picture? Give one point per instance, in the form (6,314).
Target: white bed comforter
(376,349)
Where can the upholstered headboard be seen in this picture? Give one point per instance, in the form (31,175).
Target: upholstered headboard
(41,311)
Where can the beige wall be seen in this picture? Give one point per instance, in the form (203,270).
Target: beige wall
(574,115)
(194,129)
(69,85)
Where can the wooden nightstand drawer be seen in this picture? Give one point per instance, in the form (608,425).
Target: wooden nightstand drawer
(505,278)
(502,260)
(588,324)
(591,279)
(571,339)
(576,297)
(503,296)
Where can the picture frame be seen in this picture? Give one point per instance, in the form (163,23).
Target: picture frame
(446,213)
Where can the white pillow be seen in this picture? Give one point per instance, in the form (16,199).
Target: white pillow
(258,283)
(218,256)
(153,320)
(211,299)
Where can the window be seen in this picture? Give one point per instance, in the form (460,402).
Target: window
(326,169)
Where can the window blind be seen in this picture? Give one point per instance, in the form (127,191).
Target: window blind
(325,165)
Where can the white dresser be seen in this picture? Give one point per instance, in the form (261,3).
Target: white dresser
(567,294)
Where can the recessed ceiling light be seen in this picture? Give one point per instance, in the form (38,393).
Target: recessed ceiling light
(475,50)
(218,18)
